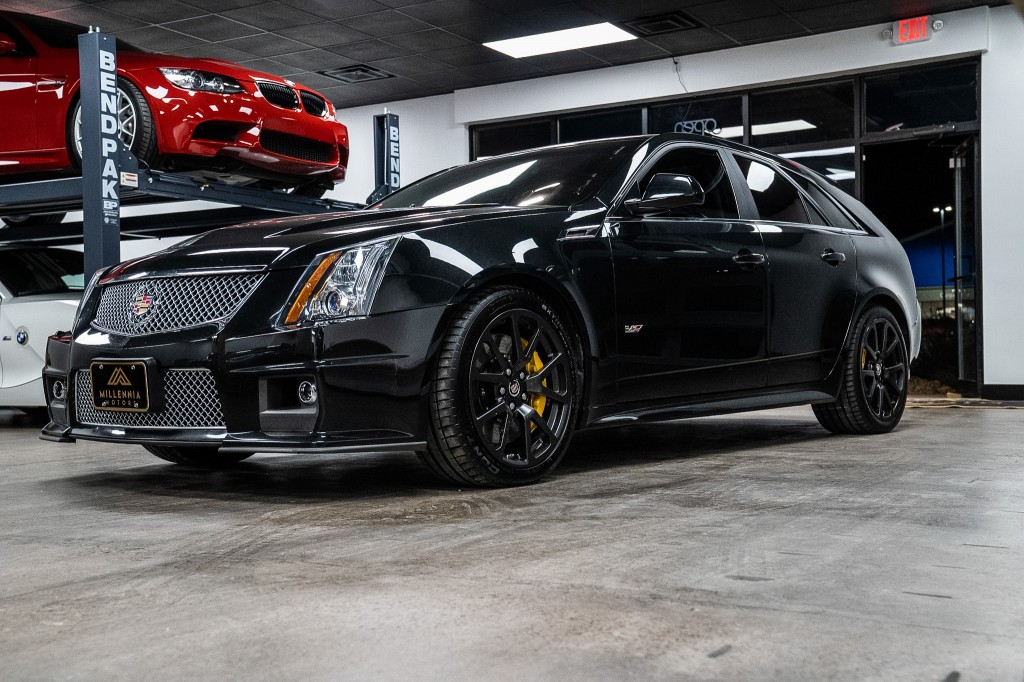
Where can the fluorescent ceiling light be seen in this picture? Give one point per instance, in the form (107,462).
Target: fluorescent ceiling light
(559,41)
(767,128)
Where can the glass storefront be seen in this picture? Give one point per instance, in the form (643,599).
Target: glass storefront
(904,142)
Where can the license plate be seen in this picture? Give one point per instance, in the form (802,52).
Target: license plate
(120,386)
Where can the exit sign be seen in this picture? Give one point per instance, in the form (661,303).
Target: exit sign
(913,30)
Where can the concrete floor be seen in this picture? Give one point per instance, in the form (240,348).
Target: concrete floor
(746,547)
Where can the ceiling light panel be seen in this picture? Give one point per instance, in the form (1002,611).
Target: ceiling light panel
(560,41)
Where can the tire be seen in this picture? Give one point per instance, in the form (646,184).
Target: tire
(198,456)
(137,129)
(875,377)
(502,414)
(29,219)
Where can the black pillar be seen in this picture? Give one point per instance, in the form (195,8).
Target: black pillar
(101,151)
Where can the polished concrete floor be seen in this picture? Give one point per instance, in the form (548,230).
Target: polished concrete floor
(740,548)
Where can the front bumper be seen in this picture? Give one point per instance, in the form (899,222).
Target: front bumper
(369,375)
(245,128)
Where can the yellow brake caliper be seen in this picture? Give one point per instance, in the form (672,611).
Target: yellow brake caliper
(537,401)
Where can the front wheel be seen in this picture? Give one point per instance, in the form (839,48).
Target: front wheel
(203,457)
(134,121)
(877,368)
(505,392)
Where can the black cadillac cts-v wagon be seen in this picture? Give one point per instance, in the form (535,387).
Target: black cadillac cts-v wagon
(483,314)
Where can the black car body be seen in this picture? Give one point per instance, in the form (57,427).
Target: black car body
(659,276)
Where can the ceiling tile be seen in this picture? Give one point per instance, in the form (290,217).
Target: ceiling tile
(616,10)
(315,60)
(691,41)
(312,79)
(498,28)
(446,12)
(90,15)
(559,17)
(727,11)
(213,28)
(428,41)
(336,9)
(266,44)
(215,51)
(152,11)
(410,66)
(847,15)
(627,52)
(157,39)
(764,29)
(268,66)
(324,34)
(387,23)
(271,16)
(564,61)
(222,5)
(369,50)
(469,55)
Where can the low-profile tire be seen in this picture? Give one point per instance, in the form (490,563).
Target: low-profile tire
(198,456)
(875,378)
(134,119)
(28,219)
(505,391)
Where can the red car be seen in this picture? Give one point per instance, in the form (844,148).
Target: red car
(176,113)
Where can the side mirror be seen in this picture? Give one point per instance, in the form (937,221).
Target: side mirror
(667,192)
(7,46)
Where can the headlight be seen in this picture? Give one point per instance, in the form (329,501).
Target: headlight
(342,283)
(204,81)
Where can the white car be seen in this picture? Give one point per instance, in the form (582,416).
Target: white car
(39,292)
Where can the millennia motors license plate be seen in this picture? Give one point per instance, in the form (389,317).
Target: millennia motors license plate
(120,386)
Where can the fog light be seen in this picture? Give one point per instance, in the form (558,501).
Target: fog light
(307,393)
(58,390)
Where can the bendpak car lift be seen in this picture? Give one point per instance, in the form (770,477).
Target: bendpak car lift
(111,173)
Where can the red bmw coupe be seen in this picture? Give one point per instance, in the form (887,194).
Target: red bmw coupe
(176,113)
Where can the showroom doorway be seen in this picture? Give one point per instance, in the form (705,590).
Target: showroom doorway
(924,192)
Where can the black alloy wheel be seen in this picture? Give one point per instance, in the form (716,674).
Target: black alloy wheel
(874,391)
(201,457)
(505,394)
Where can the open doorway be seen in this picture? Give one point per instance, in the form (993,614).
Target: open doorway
(923,190)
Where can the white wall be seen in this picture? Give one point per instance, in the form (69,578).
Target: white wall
(1002,201)
(430,141)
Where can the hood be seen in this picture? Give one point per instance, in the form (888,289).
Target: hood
(131,61)
(294,242)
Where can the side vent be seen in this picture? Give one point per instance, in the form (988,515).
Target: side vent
(357,73)
(656,24)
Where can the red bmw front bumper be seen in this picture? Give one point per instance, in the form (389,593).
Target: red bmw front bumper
(293,141)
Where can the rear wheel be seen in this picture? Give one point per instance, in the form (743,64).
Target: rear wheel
(505,392)
(874,390)
(198,456)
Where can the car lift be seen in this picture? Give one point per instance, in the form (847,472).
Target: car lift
(101,221)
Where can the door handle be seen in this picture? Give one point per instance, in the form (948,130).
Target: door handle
(747,257)
(833,257)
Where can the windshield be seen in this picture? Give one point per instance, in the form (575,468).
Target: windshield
(26,272)
(552,176)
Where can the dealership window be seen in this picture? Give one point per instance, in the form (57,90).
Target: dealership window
(512,137)
(802,115)
(922,97)
(604,124)
(720,116)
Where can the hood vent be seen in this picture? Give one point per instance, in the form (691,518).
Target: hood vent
(656,24)
(357,73)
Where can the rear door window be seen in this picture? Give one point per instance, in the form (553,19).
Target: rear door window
(777,199)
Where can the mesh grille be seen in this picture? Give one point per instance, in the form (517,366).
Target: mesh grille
(314,104)
(167,304)
(279,95)
(297,147)
(190,402)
